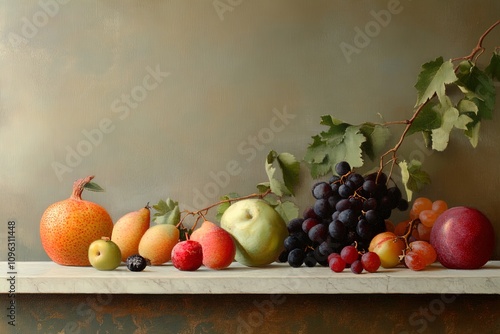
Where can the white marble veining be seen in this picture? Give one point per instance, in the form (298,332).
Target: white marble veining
(49,277)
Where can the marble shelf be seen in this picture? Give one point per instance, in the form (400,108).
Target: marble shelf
(51,278)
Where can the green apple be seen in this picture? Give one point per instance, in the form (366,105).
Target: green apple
(104,254)
(257,229)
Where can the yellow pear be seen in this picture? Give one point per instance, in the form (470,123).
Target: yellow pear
(129,229)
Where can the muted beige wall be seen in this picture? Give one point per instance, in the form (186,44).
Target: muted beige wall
(171,92)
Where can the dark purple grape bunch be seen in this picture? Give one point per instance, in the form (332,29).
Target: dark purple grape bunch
(348,209)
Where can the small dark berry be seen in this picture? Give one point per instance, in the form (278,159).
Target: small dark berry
(136,263)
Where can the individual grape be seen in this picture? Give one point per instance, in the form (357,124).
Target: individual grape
(322,259)
(424,232)
(414,261)
(333,179)
(425,249)
(335,216)
(349,254)
(283,257)
(342,168)
(295,225)
(291,242)
(318,233)
(337,230)
(310,260)
(332,201)
(372,216)
(356,179)
(349,218)
(322,208)
(394,195)
(370,261)
(402,227)
(403,205)
(309,213)
(337,264)
(296,257)
(420,204)
(321,190)
(356,203)
(364,229)
(345,191)
(439,206)
(308,224)
(304,239)
(370,204)
(384,213)
(332,255)
(357,267)
(343,204)
(351,184)
(428,217)
(335,188)
(325,248)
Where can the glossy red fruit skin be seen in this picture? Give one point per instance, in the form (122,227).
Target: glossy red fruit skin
(463,238)
(187,255)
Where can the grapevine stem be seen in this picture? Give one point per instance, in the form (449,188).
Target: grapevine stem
(475,53)
(202,212)
(479,49)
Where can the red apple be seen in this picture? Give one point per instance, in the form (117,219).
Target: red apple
(218,246)
(463,238)
(187,255)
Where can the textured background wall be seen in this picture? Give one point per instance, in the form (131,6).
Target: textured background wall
(171,91)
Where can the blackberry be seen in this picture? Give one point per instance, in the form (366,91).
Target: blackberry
(136,263)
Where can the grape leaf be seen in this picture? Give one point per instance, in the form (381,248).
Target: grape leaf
(287,210)
(376,137)
(277,187)
(493,69)
(426,120)
(168,212)
(223,207)
(289,168)
(471,109)
(478,87)
(263,187)
(342,142)
(450,118)
(92,186)
(414,178)
(433,78)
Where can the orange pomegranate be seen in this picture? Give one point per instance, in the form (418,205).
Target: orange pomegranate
(68,227)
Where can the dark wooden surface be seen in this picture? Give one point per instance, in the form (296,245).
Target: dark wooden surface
(141,314)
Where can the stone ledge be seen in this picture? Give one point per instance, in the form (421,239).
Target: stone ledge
(49,277)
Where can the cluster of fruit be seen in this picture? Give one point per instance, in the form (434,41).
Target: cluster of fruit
(427,212)
(356,261)
(208,245)
(348,209)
